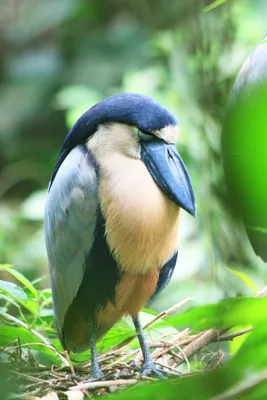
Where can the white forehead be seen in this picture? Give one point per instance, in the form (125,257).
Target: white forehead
(169,133)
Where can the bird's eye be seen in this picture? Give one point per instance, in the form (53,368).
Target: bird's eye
(145,135)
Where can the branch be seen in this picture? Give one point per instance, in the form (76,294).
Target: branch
(233,335)
(102,384)
(206,338)
(212,335)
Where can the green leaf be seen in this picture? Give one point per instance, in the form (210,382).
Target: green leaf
(238,341)
(10,333)
(21,278)
(14,291)
(215,4)
(244,278)
(227,313)
(32,305)
(252,355)
(115,336)
(198,387)
(46,312)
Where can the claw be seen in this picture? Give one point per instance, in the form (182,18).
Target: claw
(149,368)
(152,370)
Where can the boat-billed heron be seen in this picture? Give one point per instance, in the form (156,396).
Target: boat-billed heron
(112,217)
(244,147)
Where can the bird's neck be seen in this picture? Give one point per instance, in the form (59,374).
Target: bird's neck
(141,222)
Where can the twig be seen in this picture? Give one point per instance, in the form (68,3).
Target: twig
(209,336)
(124,357)
(70,363)
(158,354)
(28,377)
(233,335)
(21,345)
(166,366)
(185,358)
(221,356)
(202,341)
(102,384)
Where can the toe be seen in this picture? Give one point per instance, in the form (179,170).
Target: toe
(151,369)
(95,375)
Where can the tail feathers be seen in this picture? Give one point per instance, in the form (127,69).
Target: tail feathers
(75,335)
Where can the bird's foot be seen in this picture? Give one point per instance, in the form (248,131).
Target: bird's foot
(96,374)
(149,368)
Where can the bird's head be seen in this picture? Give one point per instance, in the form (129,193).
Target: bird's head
(137,127)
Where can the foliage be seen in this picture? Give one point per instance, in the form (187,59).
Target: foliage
(34,320)
(58,62)
(28,342)
(214,5)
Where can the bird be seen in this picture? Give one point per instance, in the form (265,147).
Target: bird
(244,147)
(111,219)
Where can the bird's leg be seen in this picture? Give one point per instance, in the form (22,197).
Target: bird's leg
(96,372)
(148,365)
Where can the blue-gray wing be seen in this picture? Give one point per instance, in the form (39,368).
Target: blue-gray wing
(254,69)
(69,221)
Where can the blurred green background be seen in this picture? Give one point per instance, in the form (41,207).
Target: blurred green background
(59,57)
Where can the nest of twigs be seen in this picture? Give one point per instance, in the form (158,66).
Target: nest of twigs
(120,367)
